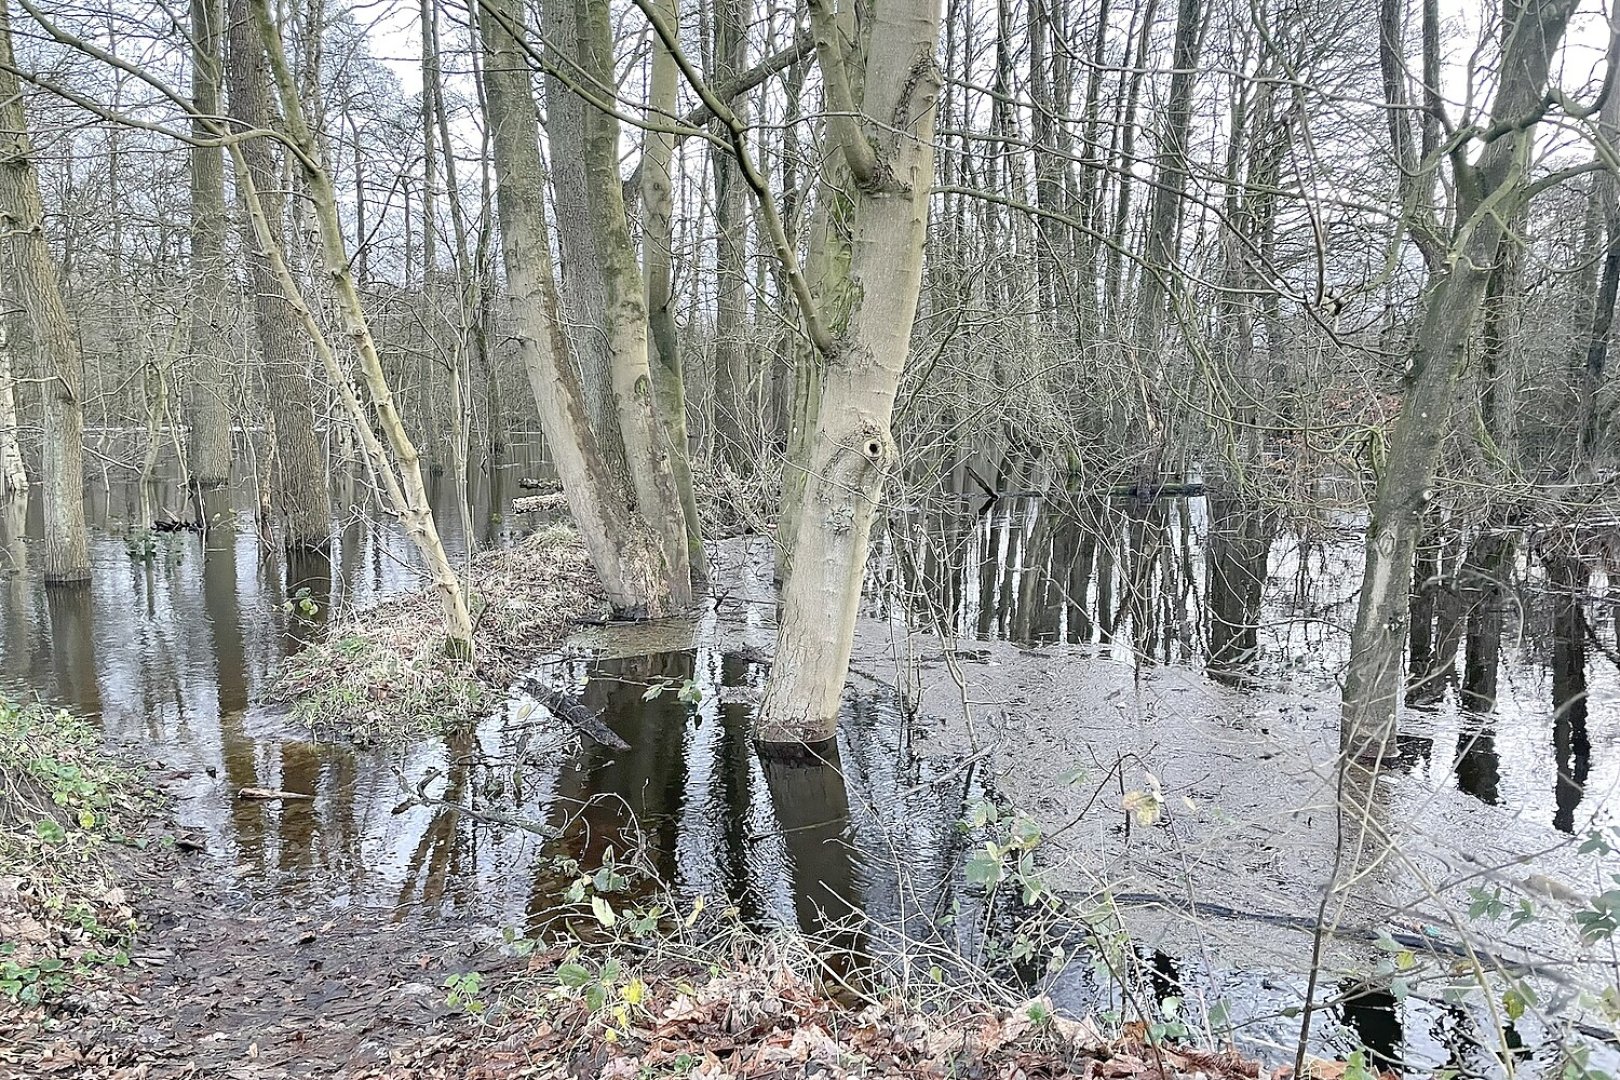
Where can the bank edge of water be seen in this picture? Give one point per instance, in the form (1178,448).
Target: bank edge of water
(381,676)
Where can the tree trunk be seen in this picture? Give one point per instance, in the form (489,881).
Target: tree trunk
(13,477)
(1492,192)
(851,451)
(1165,204)
(208,414)
(406,492)
(299,467)
(623,549)
(66,552)
(648,448)
(736,418)
(583,302)
(658,241)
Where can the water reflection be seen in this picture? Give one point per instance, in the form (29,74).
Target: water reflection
(1572,749)
(804,839)
(1221,581)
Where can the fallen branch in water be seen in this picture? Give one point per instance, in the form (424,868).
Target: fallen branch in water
(267,794)
(571,711)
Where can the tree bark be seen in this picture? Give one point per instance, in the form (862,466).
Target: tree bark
(402,476)
(208,413)
(65,550)
(1491,192)
(582,293)
(736,419)
(299,467)
(13,476)
(658,242)
(648,447)
(887,147)
(624,550)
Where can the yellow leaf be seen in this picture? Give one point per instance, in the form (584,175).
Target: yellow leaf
(1145,805)
(634,992)
(697,909)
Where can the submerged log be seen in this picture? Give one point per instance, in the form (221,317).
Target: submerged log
(573,712)
(271,793)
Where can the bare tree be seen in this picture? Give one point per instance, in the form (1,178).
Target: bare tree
(38,287)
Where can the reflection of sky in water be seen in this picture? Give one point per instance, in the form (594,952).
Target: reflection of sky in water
(1010,579)
(174,652)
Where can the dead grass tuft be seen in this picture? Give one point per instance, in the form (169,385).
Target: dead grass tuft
(382,675)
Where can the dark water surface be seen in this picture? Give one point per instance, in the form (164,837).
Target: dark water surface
(1514,706)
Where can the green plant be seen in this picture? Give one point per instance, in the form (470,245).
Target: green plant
(303,603)
(689,691)
(607,990)
(463,993)
(64,799)
(1601,918)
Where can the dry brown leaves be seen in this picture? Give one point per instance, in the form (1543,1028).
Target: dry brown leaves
(760,1023)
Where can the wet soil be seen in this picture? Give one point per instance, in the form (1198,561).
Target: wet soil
(228,981)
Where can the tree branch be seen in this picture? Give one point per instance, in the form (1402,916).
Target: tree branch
(843,120)
(820,336)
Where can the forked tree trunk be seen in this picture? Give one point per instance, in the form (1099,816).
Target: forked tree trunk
(1492,191)
(648,448)
(299,467)
(400,466)
(65,551)
(885,138)
(623,549)
(582,300)
(208,413)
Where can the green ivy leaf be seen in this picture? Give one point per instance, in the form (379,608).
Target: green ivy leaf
(573,976)
(983,869)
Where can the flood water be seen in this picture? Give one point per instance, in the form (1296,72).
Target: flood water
(1513,711)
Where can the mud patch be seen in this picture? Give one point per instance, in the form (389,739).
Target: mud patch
(226,983)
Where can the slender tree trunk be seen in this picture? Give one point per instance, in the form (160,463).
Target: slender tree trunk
(886,139)
(66,553)
(13,476)
(1167,199)
(299,468)
(403,475)
(1594,362)
(1493,191)
(736,420)
(625,552)
(208,414)
(658,241)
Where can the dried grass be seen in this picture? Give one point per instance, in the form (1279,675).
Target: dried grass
(383,676)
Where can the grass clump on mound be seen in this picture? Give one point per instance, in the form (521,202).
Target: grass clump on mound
(61,800)
(383,676)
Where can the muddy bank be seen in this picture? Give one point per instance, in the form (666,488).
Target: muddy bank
(225,980)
